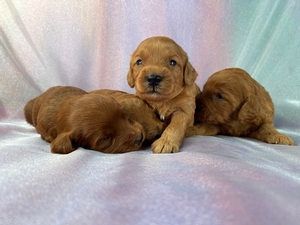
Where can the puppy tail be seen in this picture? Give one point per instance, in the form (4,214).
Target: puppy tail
(28,111)
(62,144)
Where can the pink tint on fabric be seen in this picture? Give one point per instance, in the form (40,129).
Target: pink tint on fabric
(212,180)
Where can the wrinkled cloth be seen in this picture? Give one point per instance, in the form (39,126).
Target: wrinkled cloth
(212,180)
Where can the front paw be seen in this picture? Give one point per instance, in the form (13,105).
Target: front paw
(280,139)
(162,145)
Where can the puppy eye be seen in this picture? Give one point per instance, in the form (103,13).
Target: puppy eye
(139,62)
(219,96)
(173,63)
(105,138)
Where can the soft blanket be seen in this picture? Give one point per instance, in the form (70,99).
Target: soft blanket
(212,180)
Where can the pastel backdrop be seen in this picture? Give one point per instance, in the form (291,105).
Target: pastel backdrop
(87,43)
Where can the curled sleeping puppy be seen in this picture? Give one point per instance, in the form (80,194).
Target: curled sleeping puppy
(163,77)
(233,103)
(138,110)
(69,118)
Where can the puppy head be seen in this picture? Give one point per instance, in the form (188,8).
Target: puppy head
(231,94)
(159,69)
(140,111)
(98,122)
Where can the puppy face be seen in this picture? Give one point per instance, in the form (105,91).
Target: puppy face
(98,122)
(138,110)
(230,95)
(159,69)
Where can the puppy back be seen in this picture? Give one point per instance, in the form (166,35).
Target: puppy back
(28,111)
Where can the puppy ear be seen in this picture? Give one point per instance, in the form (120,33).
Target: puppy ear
(250,111)
(130,78)
(62,144)
(189,74)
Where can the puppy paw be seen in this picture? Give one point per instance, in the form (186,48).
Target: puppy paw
(164,146)
(62,144)
(280,139)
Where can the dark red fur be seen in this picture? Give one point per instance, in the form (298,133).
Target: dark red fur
(69,118)
(138,110)
(233,103)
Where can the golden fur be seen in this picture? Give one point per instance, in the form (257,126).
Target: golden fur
(138,110)
(163,77)
(233,103)
(68,118)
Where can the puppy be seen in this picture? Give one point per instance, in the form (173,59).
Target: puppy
(69,118)
(233,103)
(163,77)
(138,110)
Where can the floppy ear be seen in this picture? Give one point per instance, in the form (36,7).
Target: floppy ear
(62,144)
(250,111)
(130,78)
(189,74)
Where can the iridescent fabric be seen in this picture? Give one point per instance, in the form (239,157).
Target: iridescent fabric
(213,180)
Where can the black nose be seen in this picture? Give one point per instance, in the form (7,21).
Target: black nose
(154,80)
(139,139)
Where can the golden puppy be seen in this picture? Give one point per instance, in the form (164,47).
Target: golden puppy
(163,77)
(137,110)
(68,118)
(233,103)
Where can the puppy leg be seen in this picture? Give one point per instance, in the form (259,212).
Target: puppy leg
(166,143)
(172,137)
(204,129)
(47,138)
(269,134)
(62,144)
